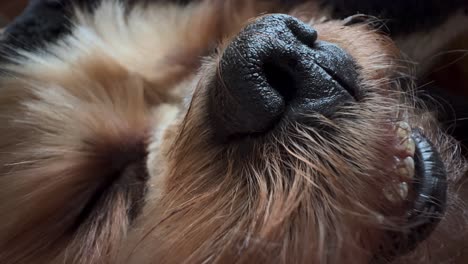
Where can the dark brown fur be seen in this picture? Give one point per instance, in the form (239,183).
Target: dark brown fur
(296,195)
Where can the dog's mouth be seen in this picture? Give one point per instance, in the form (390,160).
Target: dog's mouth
(421,184)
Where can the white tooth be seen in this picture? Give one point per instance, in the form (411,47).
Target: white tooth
(410,147)
(403,130)
(405,168)
(406,143)
(407,146)
(389,193)
(403,190)
(396,191)
(409,165)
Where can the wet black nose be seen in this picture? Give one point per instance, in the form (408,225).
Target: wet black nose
(274,68)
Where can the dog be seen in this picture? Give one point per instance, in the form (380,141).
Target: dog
(212,131)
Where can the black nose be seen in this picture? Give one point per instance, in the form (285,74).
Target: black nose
(274,68)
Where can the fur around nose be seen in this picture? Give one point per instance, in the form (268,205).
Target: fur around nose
(275,67)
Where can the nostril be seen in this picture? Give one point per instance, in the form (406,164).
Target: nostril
(280,79)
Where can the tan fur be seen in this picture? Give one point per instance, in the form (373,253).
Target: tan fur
(133,87)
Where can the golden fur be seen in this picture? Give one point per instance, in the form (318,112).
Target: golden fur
(130,89)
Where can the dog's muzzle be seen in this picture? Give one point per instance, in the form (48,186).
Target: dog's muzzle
(276,69)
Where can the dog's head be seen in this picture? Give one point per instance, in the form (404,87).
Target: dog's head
(298,140)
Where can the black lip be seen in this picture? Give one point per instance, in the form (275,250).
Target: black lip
(339,65)
(430,187)
(344,84)
(329,66)
(430,196)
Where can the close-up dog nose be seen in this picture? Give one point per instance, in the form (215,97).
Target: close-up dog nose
(276,68)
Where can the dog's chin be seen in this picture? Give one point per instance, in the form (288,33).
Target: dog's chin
(419,183)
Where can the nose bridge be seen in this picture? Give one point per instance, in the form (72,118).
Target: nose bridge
(273,35)
(280,26)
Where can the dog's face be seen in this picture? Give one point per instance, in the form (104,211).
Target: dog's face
(296,141)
